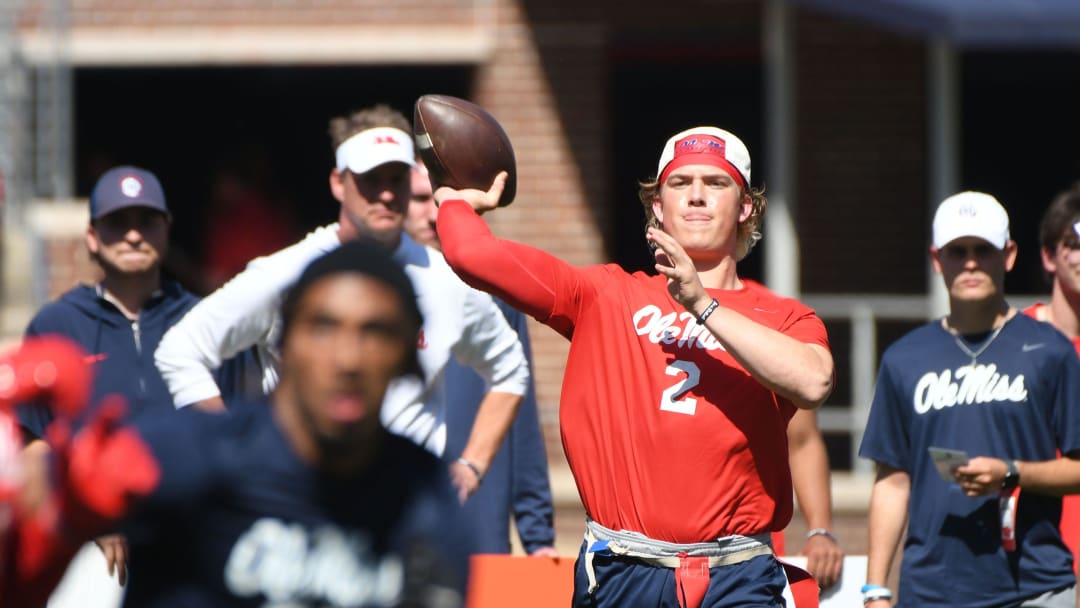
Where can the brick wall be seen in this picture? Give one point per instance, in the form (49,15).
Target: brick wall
(203,13)
(59,230)
(69,264)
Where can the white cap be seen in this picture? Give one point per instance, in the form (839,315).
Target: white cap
(706,146)
(971,214)
(369,149)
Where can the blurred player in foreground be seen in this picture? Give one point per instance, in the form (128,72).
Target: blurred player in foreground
(306,500)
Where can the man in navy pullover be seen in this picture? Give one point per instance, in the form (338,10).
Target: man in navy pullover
(121,319)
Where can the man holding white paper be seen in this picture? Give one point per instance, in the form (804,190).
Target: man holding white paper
(987,383)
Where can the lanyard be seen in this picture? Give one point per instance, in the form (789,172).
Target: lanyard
(1007,502)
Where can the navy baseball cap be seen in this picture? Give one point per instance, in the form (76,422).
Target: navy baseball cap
(123,187)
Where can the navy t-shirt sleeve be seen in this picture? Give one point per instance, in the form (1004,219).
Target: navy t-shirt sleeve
(885,439)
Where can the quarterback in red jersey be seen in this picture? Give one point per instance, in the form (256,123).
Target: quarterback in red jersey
(1059,244)
(678,386)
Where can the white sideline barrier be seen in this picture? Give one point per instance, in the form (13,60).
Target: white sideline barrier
(86,583)
(844,594)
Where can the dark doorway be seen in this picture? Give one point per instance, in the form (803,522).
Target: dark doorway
(1019,142)
(659,91)
(267,125)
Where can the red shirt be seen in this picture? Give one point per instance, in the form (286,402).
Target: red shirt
(1070,504)
(664,432)
(1033,312)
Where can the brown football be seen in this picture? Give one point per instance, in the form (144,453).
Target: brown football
(462,145)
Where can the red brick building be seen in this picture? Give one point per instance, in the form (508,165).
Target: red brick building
(587,91)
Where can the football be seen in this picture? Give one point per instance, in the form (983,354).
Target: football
(462,145)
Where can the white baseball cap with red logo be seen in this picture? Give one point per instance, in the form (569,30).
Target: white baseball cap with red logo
(373,147)
(706,146)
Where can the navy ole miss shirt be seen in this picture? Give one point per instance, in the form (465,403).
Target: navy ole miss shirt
(239,520)
(1019,400)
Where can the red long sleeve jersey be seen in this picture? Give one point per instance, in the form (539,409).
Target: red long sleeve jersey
(665,433)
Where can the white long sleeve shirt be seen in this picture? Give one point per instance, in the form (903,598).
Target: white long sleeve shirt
(245,312)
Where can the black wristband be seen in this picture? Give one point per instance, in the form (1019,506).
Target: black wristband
(1012,476)
(708,311)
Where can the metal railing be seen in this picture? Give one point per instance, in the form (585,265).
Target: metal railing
(864,313)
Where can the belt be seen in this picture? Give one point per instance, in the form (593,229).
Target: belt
(691,562)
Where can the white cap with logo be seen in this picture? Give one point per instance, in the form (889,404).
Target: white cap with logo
(974,214)
(373,147)
(706,146)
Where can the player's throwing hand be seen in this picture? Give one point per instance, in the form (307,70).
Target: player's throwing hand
(481,201)
(673,262)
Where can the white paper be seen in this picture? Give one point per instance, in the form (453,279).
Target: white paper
(947,461)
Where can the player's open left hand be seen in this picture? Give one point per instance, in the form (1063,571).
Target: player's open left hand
(481,201)
(673,262)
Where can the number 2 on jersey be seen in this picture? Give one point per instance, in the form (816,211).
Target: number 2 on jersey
(668,401)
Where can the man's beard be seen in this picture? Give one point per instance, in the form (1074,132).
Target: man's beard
(352,444)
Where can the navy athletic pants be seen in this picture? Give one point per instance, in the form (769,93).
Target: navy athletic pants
(628,583)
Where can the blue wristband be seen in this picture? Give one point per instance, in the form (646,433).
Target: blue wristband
(872,593)
(866,588)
